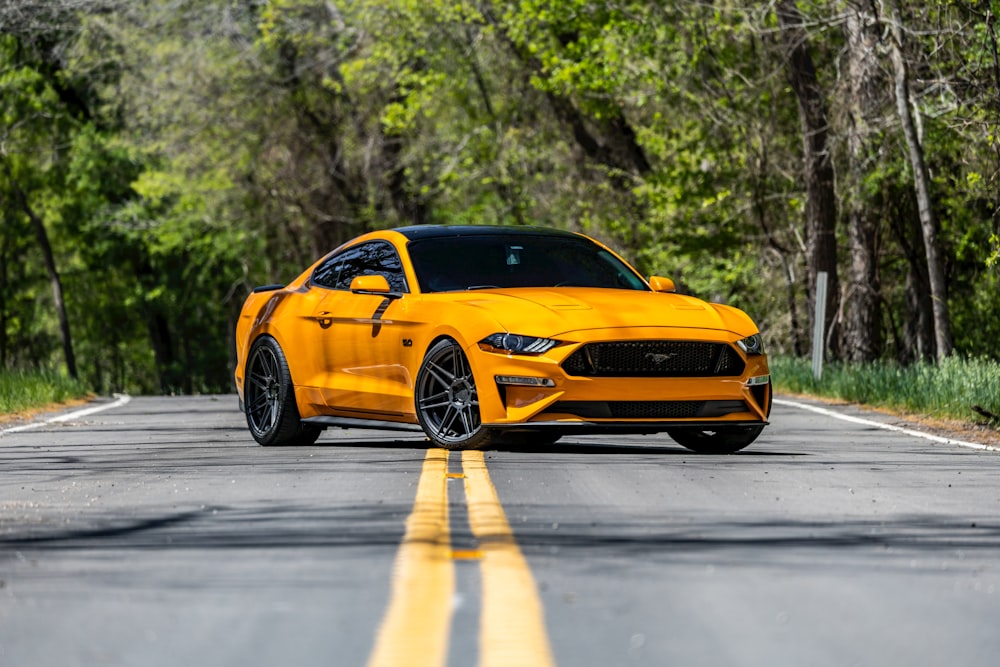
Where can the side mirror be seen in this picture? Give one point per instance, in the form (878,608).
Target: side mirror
(373,284)
(661,284)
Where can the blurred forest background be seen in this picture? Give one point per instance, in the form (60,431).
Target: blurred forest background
(159,158)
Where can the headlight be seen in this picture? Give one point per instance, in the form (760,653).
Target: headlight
(752,344)
(515,344)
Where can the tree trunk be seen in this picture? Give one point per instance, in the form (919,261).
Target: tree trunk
(919,328)
(785,256)
(821,207)
(163,352)
(921,182)
(917,321)
(49,260)
(862,302)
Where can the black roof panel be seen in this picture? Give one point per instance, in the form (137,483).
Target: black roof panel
(443,231)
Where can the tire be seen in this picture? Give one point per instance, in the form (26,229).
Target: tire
(269,398)
(446,399)
(724,440)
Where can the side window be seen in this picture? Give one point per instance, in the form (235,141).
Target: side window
(326,273)
(377,257)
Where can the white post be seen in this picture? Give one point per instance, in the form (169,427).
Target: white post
(819,327)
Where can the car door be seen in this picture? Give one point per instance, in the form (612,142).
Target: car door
(358,339)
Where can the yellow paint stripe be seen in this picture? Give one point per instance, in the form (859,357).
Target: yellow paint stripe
(512,624)
(415,630)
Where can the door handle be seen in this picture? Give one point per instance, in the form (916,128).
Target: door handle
(324,319)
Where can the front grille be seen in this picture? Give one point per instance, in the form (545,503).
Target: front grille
(647,409)
(655,358)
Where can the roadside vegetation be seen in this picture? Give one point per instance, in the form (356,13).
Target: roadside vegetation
(955,388)
(27,390)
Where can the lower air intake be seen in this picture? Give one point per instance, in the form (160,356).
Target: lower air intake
(648,409)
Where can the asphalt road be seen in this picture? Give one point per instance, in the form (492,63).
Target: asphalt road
(156,532)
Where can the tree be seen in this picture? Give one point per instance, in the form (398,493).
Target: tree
(921,184)
(862,301)
(48,257)
(179,153)
(563,54)
(821,207)
(32,122)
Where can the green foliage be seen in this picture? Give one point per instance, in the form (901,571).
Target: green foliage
(947,389)
(180,153)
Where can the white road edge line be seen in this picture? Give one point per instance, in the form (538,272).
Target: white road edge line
(122,399)
(887,427)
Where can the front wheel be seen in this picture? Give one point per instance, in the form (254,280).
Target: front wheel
(722,440)
(269,398)
(446,398)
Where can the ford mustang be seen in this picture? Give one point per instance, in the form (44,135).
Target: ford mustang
(478,335)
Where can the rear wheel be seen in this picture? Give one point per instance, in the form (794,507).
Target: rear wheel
(447,401)
(723,440)
(269,398)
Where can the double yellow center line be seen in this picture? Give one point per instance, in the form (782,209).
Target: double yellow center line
(416,628)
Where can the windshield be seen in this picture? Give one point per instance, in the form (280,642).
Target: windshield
(445,264)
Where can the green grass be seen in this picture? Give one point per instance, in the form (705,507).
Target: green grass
(947,390)
(25,390)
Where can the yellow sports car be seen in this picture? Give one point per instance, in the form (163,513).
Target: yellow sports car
(479,335)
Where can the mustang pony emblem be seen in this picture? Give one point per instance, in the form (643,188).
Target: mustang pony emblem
(660,359)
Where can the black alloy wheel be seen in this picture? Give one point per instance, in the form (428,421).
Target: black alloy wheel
(269,398)
(446,398)
(723,440)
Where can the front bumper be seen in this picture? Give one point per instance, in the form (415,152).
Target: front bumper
(639,404)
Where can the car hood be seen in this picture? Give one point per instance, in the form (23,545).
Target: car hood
(556,311)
